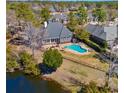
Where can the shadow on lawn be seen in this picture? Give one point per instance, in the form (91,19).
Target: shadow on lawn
(98,56)
(45,69)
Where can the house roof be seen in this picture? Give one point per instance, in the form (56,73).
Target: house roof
(56,30)
(60,16)
(103,32)
(90,15)
(65,10)
(52,9)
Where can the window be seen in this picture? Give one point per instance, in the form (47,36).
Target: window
(52,40)
(48,40)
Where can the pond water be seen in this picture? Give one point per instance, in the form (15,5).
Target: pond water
(17,82)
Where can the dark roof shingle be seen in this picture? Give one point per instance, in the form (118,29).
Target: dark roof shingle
(102,32)
(55,30)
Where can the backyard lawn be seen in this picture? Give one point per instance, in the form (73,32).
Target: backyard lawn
(90,59)
(71,75)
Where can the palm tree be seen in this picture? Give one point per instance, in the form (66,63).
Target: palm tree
(100,14)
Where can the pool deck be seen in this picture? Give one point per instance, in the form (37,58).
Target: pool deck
(61,48)
(76,52)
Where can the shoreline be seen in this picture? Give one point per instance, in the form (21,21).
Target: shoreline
(43,77)
(69,88)
(51,79)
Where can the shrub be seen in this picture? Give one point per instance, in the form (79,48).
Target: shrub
(11,59)
(94,45)
(12,64)
(93,88)
(105,44)
(32,68)
(25,58)
(8,35)
(100,42)
(28,62)
(82,34)
(52,58)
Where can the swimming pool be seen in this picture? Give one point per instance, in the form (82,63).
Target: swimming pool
(76,48)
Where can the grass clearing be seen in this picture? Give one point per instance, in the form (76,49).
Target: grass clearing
(78,71)
(115,80)
(71,72)
(87,59)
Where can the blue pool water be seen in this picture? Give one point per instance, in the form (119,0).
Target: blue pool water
(76,48)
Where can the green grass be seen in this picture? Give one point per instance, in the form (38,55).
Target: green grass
(115,81)
(78,71)
(90,59)
(79,56)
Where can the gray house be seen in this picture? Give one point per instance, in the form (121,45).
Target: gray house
(91,18)
(52,9)
(56,33)
(103,33)
(63,18)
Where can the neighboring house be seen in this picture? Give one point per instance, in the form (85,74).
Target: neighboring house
(91,18)
(63,18)
(36,6)
(52,10)
(91,7)
(65,9)
(115,70)
(103,33)
(73,8)
(55,33)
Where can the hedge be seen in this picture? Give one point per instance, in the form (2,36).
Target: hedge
(93,45)
(98,41)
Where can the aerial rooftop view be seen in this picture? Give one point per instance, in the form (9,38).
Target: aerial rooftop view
(67,46)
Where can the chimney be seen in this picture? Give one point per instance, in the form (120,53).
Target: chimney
(45,24)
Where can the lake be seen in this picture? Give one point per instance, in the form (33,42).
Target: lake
(17,82)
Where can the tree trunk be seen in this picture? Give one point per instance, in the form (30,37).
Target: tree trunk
(33,51)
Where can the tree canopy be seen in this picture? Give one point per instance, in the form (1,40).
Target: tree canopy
(29,63)
(11,59)
(25,61)
(100,14)
(82,13)
(23,12)
(25,58)
(32,68)
(93,88)
(72,21)
(82,34)
(45,14)
(52,58)
(112,14)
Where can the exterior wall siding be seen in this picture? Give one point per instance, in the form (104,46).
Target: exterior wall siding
(65,39)
(51,41)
